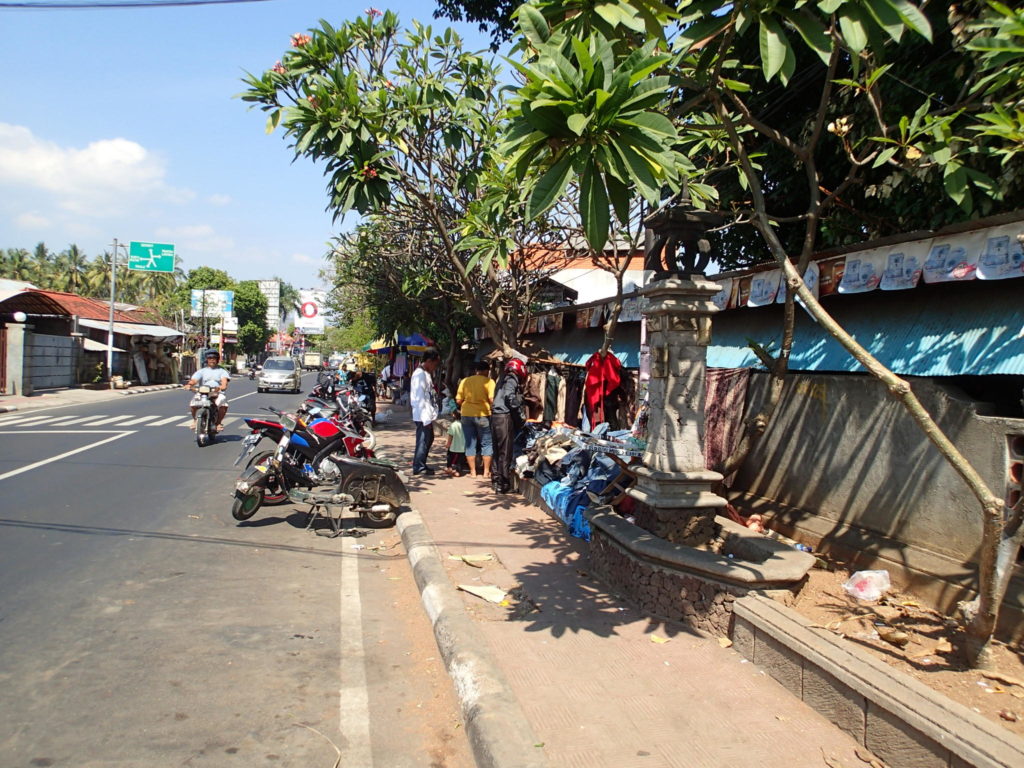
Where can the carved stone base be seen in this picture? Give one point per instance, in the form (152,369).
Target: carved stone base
(677,506)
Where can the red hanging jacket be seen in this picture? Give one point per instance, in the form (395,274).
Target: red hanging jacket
(603,377)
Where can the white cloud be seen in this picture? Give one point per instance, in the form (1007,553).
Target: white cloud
(219,200)
(31,220)
(301,258)
(104,179)
(196,238)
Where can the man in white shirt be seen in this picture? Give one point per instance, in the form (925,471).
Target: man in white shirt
(211,375)
(424,410)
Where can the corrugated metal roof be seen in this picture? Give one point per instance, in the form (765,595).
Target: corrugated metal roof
(947,333)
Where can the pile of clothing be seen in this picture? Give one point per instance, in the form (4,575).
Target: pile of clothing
(574,470)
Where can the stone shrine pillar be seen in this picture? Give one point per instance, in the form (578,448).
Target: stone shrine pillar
(673,493)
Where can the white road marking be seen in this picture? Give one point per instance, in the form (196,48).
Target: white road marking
(52,459)
(185,423)
(354,707)
(28,420)
(111,420)
(64,422)
(168,420)
(140,420)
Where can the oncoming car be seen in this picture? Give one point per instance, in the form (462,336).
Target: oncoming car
(280,373)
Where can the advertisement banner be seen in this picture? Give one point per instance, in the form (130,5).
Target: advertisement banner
(211,303)
(1003,254)
(310,318)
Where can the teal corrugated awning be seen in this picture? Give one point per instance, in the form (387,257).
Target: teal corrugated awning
(943,330)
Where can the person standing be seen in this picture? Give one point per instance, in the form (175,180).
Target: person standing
(424,410)
(506,421)
(474,398)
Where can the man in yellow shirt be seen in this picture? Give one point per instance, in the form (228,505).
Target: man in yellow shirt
(474,399)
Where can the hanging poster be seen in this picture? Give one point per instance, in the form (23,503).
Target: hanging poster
(742,290)
(830,275)
(954,258)
(811,280)
(903,265)
(1003,253)
(763,287)
(596,316)
(630,310)
(583,318)
(863,271)
(721,299)
(553,322)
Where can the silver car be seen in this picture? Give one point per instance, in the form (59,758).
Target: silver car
(279,373)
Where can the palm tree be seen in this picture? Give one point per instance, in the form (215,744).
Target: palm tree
(97,277)
(17,265)
(43,265)
(74,263)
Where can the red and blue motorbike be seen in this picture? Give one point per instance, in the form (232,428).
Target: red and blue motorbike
(316,450)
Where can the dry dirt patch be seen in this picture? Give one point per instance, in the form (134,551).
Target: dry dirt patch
(918,641)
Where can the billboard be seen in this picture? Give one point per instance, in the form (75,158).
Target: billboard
(310,318)
(211,303)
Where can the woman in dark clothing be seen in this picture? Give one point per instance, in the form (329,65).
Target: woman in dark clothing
(506,421)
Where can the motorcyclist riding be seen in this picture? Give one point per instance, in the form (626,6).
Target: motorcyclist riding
(210,376)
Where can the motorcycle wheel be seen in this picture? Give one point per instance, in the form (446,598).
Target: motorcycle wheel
(202,428)
(274,493)
(245,505)
(380,519)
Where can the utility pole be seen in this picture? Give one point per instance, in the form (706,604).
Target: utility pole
(110,329)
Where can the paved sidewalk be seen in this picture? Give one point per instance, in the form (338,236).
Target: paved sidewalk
(595,685)
(54,397)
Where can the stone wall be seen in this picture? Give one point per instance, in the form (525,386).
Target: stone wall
(668,594)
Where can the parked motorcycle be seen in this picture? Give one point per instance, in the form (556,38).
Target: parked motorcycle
(206,418)
(324,452)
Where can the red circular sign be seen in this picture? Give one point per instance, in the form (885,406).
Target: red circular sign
(309,309)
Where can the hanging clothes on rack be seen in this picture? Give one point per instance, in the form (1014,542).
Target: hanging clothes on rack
(551,395)
(604,375)
(573,398)
(534,396)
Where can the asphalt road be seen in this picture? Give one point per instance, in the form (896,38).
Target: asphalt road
(141,625)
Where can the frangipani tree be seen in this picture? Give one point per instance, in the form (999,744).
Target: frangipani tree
(407,125)
(711,67)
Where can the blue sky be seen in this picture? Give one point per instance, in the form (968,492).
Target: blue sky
(122,124)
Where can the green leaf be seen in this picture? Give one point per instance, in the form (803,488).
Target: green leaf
(830,6)
(955,182)
(852,27)
(885,156)
(887,18)
(534,25)
(773,44)
(619,196)
(273,120)
(594,208)
(912,17)
(706,28)
(652,122)
(811,31)
(609,12)
(578,123)
(549,187)
(640,172)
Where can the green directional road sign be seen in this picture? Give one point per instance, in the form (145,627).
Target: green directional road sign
(151,257)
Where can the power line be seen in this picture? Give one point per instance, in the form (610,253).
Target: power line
(88,5)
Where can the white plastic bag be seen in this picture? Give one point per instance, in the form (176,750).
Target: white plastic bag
(867,585)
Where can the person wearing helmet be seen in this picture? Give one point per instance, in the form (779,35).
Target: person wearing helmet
(211,375)
(506,421)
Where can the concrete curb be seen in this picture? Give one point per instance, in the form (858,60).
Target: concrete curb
(8,408)
(154,388)
(499,734)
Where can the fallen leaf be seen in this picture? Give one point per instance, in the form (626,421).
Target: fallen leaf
(896,637)
(725,642)
(657,639)
(488,592)
(943,646)
(909,604)
(782,718)
(1003,678)
(995,689)
(1007,715)
(831,760)
(868,758)
(195,517)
